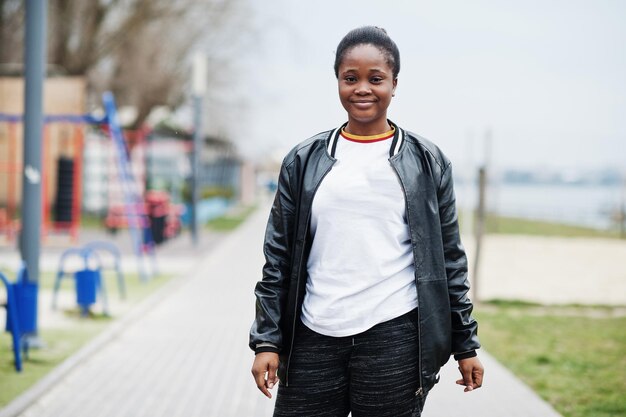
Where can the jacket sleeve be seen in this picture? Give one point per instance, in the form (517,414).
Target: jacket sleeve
(271,291)
(464,327)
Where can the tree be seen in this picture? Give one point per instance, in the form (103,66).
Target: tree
(137,48)
(11,31)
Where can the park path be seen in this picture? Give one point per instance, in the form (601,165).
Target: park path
(184,353)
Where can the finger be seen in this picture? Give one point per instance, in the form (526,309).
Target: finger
(467,379)
(265,391)
(261,384)
(478,378)
(259,379)
(272,378)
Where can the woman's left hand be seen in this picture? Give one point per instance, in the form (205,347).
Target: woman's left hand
(472,372)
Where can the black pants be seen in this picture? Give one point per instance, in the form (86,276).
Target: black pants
(371,374)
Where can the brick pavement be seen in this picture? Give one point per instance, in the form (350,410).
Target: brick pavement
(187,355)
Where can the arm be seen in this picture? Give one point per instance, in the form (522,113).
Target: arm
(464,327)
(265,335)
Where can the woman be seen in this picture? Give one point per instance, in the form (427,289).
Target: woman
(364,289)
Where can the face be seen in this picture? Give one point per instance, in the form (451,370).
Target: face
(366,85)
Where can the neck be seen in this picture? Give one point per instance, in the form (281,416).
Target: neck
(367,129)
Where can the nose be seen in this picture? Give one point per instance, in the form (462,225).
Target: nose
(362,88)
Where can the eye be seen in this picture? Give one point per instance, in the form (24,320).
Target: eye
(350,78)
(376,80)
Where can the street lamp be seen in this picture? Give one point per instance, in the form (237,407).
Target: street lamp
(34,75)
(198,89)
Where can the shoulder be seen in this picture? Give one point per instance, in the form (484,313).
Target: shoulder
(304,148)
(427,149)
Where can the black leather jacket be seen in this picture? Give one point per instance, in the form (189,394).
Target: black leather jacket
(445,323)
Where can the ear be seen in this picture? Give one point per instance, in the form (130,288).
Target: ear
(395,84)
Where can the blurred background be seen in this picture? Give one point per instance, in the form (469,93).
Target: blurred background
(535,91)
(527,99)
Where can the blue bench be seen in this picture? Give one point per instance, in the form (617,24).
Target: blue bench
(21,309)
(88,280)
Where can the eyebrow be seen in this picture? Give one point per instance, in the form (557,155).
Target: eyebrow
(371,70)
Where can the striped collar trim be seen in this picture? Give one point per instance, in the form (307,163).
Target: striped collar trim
(396,143)
(368,138)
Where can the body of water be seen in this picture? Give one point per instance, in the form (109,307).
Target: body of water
(585,205)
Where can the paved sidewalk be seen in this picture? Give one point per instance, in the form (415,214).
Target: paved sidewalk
(187,355)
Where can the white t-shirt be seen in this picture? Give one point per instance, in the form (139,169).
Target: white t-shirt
(360,268)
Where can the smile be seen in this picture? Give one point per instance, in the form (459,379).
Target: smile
(363,104)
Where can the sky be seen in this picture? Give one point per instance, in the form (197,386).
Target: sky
(545,80)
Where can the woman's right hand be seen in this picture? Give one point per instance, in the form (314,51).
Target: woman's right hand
(265,363)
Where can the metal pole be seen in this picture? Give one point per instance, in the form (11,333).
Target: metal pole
(481,211)
(34,64)
(195,157)
(621,216)
(35,67)
(199,74)
(479,228)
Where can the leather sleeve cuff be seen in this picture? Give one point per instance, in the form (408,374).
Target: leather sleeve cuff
(266,347)
(464,355)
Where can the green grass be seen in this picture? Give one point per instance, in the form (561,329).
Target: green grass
(62,341)
(134,286)
(574,357)
(516,226)
(232,220)
(91,221)
(495,224)
(60,344)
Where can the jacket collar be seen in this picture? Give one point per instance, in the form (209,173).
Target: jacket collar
(396,142)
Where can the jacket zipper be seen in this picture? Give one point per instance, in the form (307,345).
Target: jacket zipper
(306,230)
(420,390)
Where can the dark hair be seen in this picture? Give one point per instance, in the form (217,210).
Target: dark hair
(369,35)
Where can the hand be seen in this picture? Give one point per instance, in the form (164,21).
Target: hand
(472,372)
(265,363)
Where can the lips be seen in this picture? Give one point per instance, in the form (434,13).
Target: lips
(363,104)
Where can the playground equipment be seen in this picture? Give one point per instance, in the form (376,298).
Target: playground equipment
(12,169)
(97,246)
(21,308)
(134,206)
(67,201)
(88,280)
(63,140)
